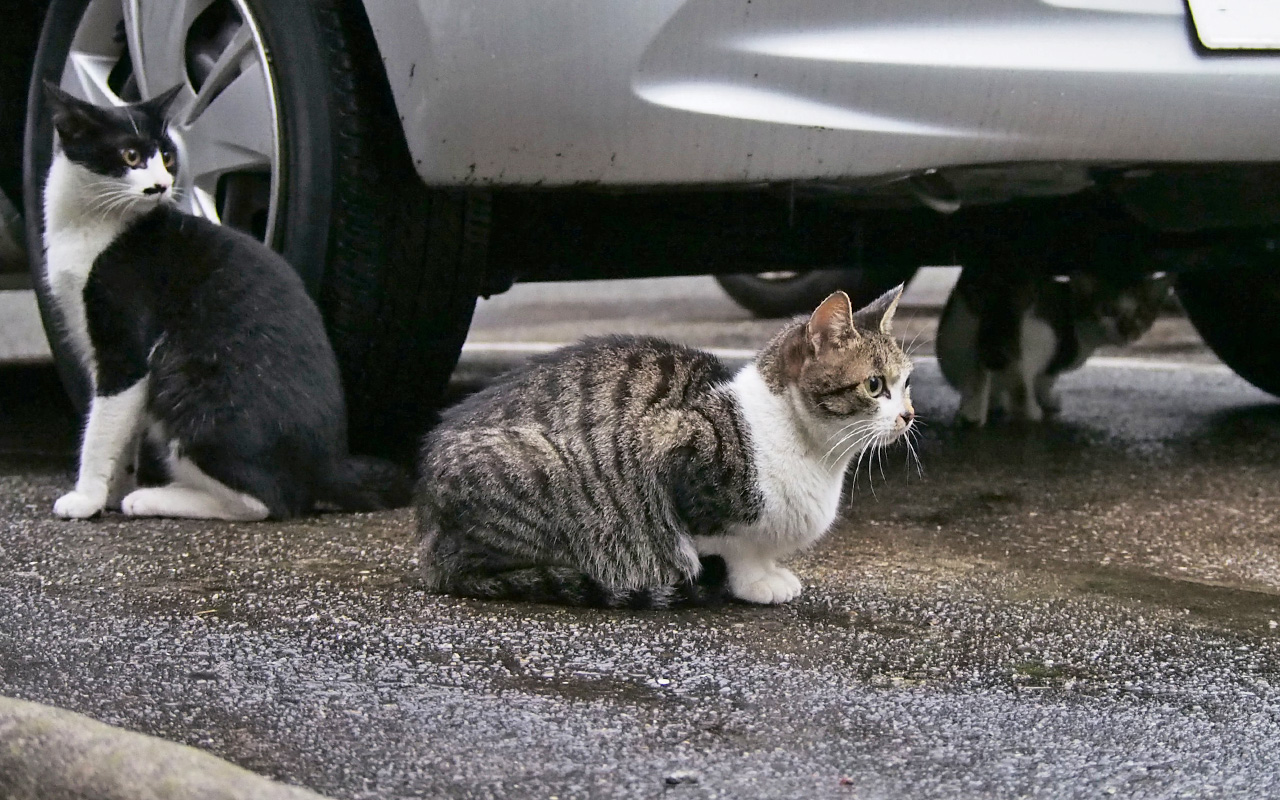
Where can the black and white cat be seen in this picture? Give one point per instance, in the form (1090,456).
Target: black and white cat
(1007,333)
(197,337)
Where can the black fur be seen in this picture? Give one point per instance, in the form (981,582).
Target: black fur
(569,587)
(94,136)
(242,376)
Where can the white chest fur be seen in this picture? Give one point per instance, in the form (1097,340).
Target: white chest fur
(800,489)
(76,233)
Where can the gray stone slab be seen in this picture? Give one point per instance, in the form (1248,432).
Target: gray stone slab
(50,754)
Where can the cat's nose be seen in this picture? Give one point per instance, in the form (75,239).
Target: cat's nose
(907,417)
(159,188)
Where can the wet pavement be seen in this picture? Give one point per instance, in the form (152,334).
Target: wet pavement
(1083,609)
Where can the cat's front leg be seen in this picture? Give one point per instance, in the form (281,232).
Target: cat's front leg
(1046,396)
(114,422)
(974,399)
(1022,397)
(763,582)
(124,479)
(754,574)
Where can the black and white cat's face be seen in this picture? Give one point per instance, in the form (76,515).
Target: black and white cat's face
(1123,308)
(126,148)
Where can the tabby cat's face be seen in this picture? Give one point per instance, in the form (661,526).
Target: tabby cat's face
(127,148)
(854,382)
(1123,308)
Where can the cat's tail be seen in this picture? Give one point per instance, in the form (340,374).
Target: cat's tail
(567,586)
(360,483)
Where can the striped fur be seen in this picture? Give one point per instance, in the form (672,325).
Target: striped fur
(629,472)
(582,477)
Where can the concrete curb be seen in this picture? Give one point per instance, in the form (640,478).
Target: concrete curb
(50,754)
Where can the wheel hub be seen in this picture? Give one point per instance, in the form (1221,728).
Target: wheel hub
(225,121)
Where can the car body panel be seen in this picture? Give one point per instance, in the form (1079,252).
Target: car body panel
(561,92)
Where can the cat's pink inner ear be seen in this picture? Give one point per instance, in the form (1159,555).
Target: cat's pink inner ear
(832,322)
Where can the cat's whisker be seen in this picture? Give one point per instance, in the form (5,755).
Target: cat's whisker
(105,203)
(114,204)
(110,197)
(880,457)
(859,445)
(114,201)
(915,346)
(919,332)
(871,457)
(847,426)
(908,349)
(911,451)
(858,467)
(833,449)
(856,433)
(852,434)
(857,441)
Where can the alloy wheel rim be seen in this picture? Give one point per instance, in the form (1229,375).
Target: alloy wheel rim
(225,121)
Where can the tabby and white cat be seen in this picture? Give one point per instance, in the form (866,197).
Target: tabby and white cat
(1007,334)
(197,336)
(600,474)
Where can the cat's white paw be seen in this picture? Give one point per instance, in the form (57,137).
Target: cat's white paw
(142,503)
(778,585)
(78,505)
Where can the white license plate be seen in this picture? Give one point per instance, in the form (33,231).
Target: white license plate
(1237,24)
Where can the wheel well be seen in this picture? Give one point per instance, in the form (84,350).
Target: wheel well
(18,39)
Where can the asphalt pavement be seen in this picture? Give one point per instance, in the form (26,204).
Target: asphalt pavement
(1081,609)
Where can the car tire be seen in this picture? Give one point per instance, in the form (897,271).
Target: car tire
(1234,305)
(784,294)
(395,267)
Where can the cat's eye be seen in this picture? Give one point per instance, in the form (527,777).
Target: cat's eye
(167,156)
(874,385)
(131,156)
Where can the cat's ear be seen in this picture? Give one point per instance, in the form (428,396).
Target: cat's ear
(878,315)
(161,104)
(832,322)
(72,117)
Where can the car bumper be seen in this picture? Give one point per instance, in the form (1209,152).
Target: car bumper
(662,92)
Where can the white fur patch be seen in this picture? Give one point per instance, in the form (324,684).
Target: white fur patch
(1017,389)
(192,494)
(83,213)
(800,464)
(109,440)
(76,232)
(1039,343)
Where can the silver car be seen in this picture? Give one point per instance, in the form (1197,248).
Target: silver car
(409,157)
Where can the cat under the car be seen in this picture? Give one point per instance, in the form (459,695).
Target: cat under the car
(1008,332)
